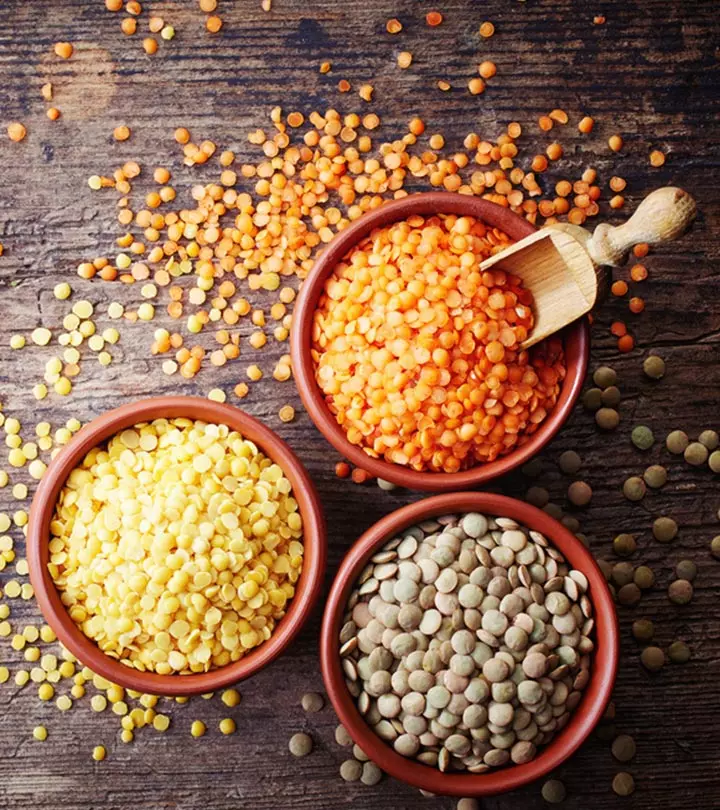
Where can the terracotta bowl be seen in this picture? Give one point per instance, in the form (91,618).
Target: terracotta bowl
(576,340)
(100,430)
(583,719)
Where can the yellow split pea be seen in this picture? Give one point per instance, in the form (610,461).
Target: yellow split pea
(177,547)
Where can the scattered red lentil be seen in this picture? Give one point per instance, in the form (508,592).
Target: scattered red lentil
(344,86)
(393,26)
(476,86)
(213,24)
(545,123)
(618,329)
(599,19)
(641,250)
(657,158)
(325,67)
(638,272)
(487,29)
(615,142)
(360,476)
(342,469)
(121,133)
(16,131)
(53,113)
(487,70)
(586,124)
(150,45)
(559,115)
(618,201)
(636,305)
(404,59)
(128,26)
(433,18)
(626,343)
(619,288)
(617,184)
(63,49)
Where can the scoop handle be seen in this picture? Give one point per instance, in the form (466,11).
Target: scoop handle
(662,216)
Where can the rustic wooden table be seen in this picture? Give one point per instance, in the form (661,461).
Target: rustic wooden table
(650,72)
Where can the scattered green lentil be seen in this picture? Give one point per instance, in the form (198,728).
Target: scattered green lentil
(696,454)
(642,437)
(592,399)
(537,496)
(342,737)
(686,569)
(579,493)
(607,418)
(622,574)
(624,545)
(654,367)
(664,529)
(570,522)
(611,397)
(679,652)
(644,577)
(312,702)
(643,630)
(553,791)
(714,461)
(371,774)
(634,488)
(715,547)
(359,754)
(623,748)
(300,744)
(652,658)
(710,439)
(40,733)
(351,770)
(629,595)
(680,592)
(623,784)
(677,441)
(655,476)
(604,376)
(98,753)
(569,462)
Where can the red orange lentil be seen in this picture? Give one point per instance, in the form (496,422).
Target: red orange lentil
(433,18)
(638,272)
(418,353)
(619,288)
(636,305)
(342,469)
(626,343)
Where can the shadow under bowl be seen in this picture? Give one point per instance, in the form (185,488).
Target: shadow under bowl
(99,431)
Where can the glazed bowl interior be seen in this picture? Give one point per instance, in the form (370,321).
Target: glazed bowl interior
(99,431)
(576,342)
(585,716)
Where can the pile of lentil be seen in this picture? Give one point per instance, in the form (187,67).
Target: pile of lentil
(176,549)
(419,353)
(467,642)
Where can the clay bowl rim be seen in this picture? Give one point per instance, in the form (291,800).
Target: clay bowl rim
(99,430)
(587,713)
(576,341)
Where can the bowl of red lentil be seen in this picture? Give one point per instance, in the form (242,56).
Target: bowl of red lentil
(409,359)
(89,464)
(398,527)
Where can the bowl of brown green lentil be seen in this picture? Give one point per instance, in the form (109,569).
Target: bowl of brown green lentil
(469,644)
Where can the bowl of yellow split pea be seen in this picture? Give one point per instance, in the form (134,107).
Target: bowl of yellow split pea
(176,545)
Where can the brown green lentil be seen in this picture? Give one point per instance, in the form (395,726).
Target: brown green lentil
(634,488)
(553,791)
(569,462)
(653,659)
(623,748)
(579,493)
(714,461)
(680,592)
(607,418)
(623,784)
(604,376)
(570,522)
(664,529)
(715,547)
(644,577)
(611,397)
(592,399)
(679,652)
(537,496)
(629,595)
(686,569)
(696,454)
(643,630)
(300,744)
(624,545)
(710,439)
(606,568)
(677,441)
(654,367)
(642,437)
(553,510)
(622,574)
(655,476)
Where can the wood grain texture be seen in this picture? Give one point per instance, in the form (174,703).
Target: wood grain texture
(650,73)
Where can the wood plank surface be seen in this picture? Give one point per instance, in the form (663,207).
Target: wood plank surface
(650,73)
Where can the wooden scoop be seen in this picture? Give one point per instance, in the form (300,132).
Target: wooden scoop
(559,264)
